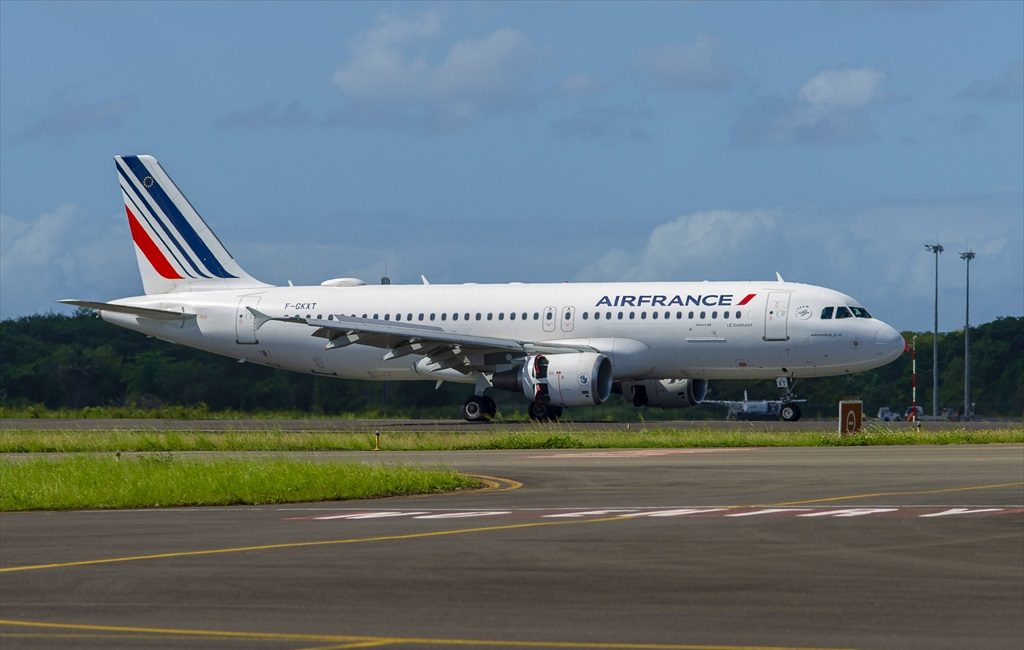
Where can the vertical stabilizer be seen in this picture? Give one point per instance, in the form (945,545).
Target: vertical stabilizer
(175,248)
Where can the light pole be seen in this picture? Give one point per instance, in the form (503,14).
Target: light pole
(935,248)
(967,257)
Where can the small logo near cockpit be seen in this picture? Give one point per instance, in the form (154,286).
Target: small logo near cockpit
(803,312)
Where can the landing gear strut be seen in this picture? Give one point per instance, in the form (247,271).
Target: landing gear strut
(479,408)
(789,412)
(544,412)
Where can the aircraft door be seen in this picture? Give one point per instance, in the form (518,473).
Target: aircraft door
(776,317)
(568,315)
(548,324)
(245,323)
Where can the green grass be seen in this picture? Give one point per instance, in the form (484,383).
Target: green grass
(15,441)
(161,480)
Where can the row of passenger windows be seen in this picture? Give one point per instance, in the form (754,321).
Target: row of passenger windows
(597,315)
(844,312)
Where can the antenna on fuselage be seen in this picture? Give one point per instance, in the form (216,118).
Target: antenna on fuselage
(778,276)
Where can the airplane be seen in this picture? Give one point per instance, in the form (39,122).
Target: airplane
(560,345)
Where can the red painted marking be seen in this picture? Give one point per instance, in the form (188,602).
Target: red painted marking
(750,296)
(149,248)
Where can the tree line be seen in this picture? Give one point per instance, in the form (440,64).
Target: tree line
(71,362)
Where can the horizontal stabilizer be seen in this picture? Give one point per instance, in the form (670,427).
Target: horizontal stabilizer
(144,312)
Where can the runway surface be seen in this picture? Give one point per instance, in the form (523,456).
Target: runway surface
(398,425)
(874,547)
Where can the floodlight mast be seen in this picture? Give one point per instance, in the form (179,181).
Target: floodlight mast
(935,248)
(967,257)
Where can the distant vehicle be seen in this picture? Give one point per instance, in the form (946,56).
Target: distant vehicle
(771,409)
(886,414)
(907,415)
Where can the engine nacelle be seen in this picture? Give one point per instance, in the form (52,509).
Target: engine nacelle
(665,393)
(574,379)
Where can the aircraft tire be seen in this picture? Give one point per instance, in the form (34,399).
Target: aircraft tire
(474,409)
(790,412)
(544,412)
(490,408)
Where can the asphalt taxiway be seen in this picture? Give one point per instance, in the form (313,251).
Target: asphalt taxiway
(873,547)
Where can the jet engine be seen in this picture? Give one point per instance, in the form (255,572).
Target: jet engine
(572,379)
(666,393)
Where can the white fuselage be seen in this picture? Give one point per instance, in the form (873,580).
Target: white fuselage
(664,330)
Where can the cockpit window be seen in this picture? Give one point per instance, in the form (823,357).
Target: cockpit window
(860,312)
(843,312)
(826,313)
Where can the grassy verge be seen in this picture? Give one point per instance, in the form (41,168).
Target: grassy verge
(81,482)
(13,441)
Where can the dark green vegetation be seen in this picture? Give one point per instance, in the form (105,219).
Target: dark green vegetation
(72,364)
(168,441)
(79,482)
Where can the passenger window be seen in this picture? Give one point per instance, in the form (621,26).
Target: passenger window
(586,315)
(703,315)
(843,312)
(654,315)
(511,315)
(549,316)
(691,316)
(714,314)
(466,315)
(739,314)
(620,315)
(444,315)
(643,315)
(330,316)
(826,313)
(432,316)
(421,317)
(632,315)
(478,316)
(376,317)
(408,317)
(387,316)
(536,316)
(455,316)
(725,315)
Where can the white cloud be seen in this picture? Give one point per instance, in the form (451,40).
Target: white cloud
(63,254)
(693,246)
(389,71)
(579,86)
(685,68)
(842,90)
(832,107)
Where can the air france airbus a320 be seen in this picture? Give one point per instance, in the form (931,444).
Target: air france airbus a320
(656,343)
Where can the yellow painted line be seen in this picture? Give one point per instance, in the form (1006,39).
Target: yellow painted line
(497,483)
(890,494)
(345,639)
(326,542)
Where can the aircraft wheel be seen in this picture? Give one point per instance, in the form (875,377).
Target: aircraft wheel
(790,412)
(490,408)
(474,409)
(545,412)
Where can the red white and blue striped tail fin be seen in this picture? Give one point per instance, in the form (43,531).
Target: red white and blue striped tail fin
(175,248)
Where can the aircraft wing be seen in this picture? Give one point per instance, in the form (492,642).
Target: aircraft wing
(145,312)
(444,349)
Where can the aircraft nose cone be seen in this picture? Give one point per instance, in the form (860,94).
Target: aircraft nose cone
(888,336)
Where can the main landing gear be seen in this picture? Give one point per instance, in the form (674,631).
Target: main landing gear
(479,408)
(544,412)
(789,412)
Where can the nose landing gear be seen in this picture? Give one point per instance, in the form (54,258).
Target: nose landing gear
(789,411)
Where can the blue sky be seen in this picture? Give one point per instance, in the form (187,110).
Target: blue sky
(527,142)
